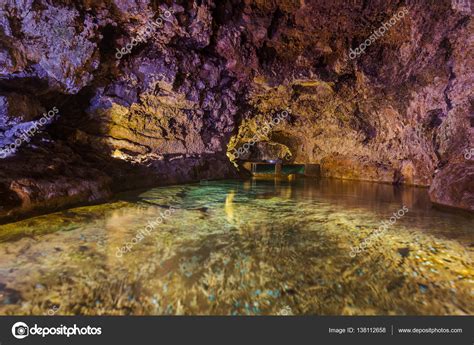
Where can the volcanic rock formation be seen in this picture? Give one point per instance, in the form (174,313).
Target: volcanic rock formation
(201,84)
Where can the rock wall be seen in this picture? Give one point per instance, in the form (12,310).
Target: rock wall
(160,92)
(399,112)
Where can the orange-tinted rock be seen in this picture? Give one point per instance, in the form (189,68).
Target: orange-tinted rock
(206,80)
(454,186)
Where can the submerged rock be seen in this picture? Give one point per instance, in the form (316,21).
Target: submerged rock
(404,252)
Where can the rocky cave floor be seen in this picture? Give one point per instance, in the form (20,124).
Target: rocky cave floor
(222,253)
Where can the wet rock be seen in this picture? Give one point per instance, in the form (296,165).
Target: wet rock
(454,186)
(404,252)
(395,284)
(423,288)
(9,296)
(39,286)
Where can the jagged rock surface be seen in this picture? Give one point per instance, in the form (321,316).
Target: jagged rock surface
(168,111)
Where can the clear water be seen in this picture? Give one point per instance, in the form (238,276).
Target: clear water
(254,247)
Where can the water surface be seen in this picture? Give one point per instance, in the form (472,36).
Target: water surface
(257,247)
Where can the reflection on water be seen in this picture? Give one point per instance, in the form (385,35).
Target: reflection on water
(242,248)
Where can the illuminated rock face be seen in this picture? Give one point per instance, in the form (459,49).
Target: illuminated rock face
(141,108)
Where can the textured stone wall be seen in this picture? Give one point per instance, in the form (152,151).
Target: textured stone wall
(178,97)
